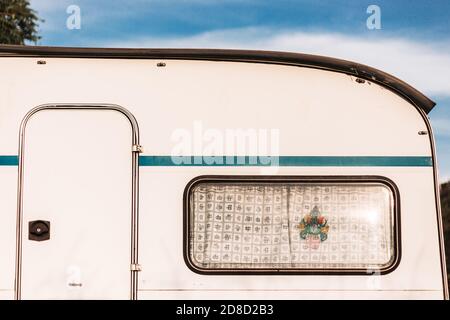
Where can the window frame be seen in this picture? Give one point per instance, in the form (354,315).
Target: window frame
(224,179)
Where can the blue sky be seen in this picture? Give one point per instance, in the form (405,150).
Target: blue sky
(412,44)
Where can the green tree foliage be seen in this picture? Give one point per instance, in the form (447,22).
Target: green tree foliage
(445,205)
(18,22)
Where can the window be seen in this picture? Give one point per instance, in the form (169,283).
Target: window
(291,224)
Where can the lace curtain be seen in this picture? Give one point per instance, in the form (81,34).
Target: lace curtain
(301,226)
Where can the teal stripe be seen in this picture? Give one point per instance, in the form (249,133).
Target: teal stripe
(9,160)
(283,161)
(286,161)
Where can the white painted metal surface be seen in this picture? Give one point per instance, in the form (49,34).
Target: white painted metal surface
(78,169)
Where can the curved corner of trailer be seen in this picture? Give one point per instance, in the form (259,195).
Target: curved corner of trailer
(248,174)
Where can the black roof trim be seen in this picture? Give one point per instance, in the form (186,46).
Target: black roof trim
(286,58)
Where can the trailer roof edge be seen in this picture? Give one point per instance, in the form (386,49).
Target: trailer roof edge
(275,57)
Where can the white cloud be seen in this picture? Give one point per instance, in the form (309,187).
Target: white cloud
(425,66)
(441,127)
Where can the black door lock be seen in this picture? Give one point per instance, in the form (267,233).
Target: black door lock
(39,230)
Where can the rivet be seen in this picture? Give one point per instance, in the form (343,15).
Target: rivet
(359,80)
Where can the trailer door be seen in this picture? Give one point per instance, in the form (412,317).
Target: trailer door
(76,201)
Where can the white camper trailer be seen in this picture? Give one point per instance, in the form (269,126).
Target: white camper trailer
(219,174)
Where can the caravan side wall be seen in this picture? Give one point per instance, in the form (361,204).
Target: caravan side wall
(322,124)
